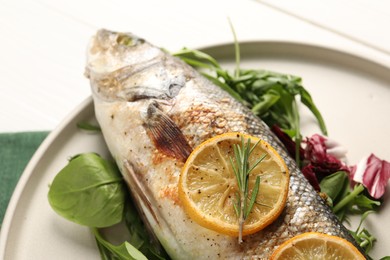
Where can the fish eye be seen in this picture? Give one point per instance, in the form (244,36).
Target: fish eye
(174,89)
(124,39)
(127,40)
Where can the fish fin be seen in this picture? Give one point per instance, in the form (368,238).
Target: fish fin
(142,201)
(166,135)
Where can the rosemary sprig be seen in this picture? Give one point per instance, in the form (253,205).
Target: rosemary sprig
(242,169)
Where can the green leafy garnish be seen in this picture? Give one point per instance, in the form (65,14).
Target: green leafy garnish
(88,126)
(89,191)
(124,251)
(354,202)
(335,186)
(345,202)
(274,98)
(138,246)
(242,169)
(138,236)
(270,95)
(363,236)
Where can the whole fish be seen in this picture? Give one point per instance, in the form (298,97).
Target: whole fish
(153,110)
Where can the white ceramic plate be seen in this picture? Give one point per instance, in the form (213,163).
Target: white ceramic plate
(352,93)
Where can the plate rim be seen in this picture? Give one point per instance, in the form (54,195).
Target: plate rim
(29,170)
(301,44)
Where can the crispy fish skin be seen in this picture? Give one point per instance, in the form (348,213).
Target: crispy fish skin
(153,110)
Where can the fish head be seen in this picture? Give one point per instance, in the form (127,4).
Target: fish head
(124,67)
(109,51)
(135,86)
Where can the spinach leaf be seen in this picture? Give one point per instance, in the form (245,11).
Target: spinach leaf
(89,191)
(335,185)
(124,251)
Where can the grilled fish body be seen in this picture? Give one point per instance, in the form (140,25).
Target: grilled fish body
(153,110)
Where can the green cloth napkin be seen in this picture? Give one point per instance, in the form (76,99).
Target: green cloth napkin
(16,149)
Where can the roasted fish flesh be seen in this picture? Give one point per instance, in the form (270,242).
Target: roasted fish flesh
(153,110)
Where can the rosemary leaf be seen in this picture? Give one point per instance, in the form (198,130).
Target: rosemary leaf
(255,192)
(257,162)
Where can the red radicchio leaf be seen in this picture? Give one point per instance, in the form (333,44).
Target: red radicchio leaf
(315,150)
(317,155)
(310,175)
(319,162)
(329,166)
(373,173)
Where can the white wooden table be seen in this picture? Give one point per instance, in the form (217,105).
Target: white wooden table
(42,46)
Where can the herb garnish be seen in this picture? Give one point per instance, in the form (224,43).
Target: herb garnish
(242,170)
(270,95)
(274,98)
(88,126)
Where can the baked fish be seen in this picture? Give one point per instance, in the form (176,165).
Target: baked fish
(153,109)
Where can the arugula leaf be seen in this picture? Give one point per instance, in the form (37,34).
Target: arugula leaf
(197,58)
(363,237)
(271,95)
(356,202)
(347,202)
(89,191)
(362,204)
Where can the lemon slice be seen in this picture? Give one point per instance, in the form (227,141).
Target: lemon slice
(313,245)
(208,187)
